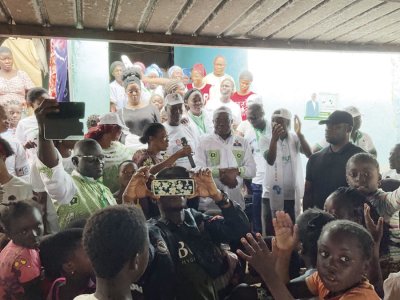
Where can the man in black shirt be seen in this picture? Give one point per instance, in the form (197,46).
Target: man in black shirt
(326,169)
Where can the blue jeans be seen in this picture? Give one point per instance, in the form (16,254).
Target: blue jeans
(257,193)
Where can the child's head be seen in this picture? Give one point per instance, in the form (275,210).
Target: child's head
(62,255)
(14,111)
(22,222)
(348,204)
(362,173)
(344,254)
(116,241)
(5,149)
(126,169)
(310,224)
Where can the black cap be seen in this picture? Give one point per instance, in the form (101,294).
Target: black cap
(338,117)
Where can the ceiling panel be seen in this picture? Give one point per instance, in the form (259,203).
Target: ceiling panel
(314,17)
(266,9)
(231,11)
(61,13)
(164,14)
(96,13)
(195,16)
(351,11)
(24,11)
(129,13)
(288,15)
(361,20)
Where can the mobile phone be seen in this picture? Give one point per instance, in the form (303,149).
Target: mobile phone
(173,187)
(65,124)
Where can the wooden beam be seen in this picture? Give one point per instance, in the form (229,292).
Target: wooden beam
(43,13)
(188,5)
(6,12)
(183,40)
(79,14)
(113,14)
(211,17)
(146,15)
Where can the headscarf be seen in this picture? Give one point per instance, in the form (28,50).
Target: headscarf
(190,94)
(140,65)
(154,69)
(173,69)
(186,72)
(200,68)
(172,86)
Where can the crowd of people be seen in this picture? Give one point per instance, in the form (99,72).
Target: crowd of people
(81,220)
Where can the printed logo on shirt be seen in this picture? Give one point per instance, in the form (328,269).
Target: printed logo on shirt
(185,254)
(161,247)
(237,144)
(239,156)
(214,157)
(277,189)
(74,201)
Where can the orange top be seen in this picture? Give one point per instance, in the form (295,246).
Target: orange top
(364,291)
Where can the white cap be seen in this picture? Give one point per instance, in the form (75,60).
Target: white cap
(254,99)
(112,119)
(353,111)
(282,113)
(173,99)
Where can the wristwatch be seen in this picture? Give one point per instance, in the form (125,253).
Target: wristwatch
(225,200)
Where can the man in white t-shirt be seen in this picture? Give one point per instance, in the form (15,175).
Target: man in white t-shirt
(176,130)
(227,88)
(216,77)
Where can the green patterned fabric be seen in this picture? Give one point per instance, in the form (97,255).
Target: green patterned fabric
(91,196)
(114,155)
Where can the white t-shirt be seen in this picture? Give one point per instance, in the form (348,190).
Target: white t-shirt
(234,107)
(175,133)
(391,174)
(17,164)
(215,93)
(86,297)
(118,95)
(28,130)
(253,139)
(17,187)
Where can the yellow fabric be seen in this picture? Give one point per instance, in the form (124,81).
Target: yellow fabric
(25,57)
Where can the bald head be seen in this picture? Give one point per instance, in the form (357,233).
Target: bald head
(87,147)
(219,66)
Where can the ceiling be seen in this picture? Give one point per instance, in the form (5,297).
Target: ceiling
(369,25)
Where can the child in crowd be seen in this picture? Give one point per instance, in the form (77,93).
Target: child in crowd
(116,241)
(66,264)
(362,174)
(343,259)
(19,260)
(14,111)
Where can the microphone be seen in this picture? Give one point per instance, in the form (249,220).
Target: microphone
(189,156)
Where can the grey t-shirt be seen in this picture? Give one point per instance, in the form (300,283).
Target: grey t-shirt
(137,119)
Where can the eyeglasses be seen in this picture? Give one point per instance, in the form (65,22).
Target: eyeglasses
(94,158)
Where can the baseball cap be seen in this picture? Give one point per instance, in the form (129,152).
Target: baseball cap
(338,117)
(112,119)
(173,99)
(282,113)
(353,111)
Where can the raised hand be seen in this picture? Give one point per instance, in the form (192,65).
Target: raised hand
(257,253)
(277,132)
(285,233)
(297,125)
(137,188)
(376,230)
(205,185)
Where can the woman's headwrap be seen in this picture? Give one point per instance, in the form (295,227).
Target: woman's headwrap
(173,69)
(172,86)
(186,72)
(199,68)
(191,93)
(154,69)
(141,66)
(131,76)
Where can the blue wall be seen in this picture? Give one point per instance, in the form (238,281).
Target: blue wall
(236,59)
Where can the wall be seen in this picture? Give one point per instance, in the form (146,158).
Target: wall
(236,59)
(88,75)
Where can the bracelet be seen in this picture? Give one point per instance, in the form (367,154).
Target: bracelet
(225,200)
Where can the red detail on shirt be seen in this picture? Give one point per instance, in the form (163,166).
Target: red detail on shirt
(205,91)
(242,101)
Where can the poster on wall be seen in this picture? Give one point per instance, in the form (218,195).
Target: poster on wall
(321,105)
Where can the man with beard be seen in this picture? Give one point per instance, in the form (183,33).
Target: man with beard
(326,169)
